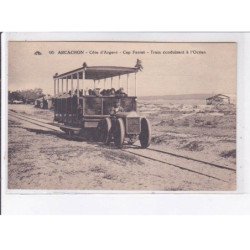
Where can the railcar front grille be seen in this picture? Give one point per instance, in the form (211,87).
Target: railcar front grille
(133,125)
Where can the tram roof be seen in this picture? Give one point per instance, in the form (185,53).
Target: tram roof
(98,72)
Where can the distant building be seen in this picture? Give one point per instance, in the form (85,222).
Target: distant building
(218,99)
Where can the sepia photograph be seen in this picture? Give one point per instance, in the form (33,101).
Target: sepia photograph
(124,124)
(122,116)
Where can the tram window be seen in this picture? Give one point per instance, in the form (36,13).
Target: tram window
(128,104)
(108,104)
(93,106)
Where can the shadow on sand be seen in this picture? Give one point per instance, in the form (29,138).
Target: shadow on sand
(88,137)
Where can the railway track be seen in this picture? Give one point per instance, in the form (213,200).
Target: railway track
(34,121)
(184,163)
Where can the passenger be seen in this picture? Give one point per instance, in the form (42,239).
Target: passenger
(97,92)
(86,92)
(108,92)
(103,92)
(79,111)
(112,92)
(120,92)
(90,92)
(117,108)
(75,92)
(74,100)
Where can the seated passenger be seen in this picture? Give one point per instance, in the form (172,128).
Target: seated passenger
(120,92)
(75,92)
(107,92)
(112,92)
(80,111)
(90,92)
(86,92)
(103,92)
(117,108)
(65,94)
(97,92)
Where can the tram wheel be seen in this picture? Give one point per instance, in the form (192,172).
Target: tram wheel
(104,131)
(119,133)
(145,135)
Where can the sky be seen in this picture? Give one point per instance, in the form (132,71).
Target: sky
(168,68)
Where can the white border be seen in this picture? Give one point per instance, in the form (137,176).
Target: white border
(124,202)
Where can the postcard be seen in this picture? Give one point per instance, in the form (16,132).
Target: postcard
(122,116)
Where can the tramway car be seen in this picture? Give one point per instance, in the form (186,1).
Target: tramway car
(111,113)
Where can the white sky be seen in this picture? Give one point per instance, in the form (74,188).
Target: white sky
(165,74)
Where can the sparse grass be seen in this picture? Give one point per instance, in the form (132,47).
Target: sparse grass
(228,153)
(109,177)
(193,146)
(169,122)
(12,123)
(121,157)
(13,110)
(160,139)
(157,140)
(97,169)
(186,123)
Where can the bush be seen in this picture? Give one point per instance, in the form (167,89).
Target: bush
(228,153)
(171,122)
(193,146)
(186,123)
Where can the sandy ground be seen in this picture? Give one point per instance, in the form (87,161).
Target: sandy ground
(43,159)
(194,129)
